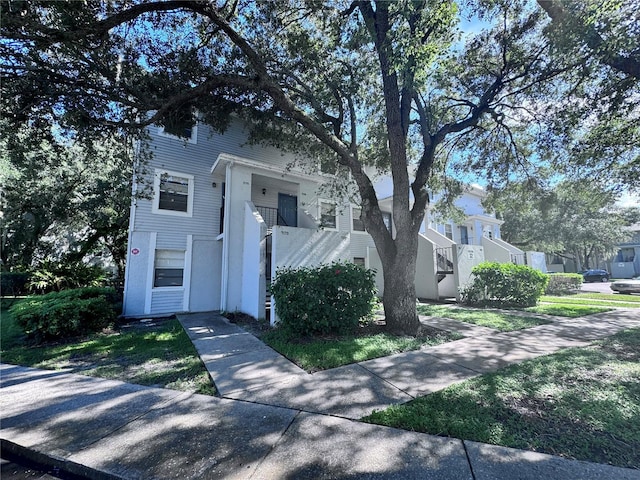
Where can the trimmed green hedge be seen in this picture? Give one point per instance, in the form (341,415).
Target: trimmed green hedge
(504,285)
(563,283)
(67,313)
(329,299)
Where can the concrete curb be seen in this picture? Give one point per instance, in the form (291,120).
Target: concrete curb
(61,467)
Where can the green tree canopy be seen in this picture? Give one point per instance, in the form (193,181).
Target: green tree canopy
(392,84)
(577,218)
(59,202)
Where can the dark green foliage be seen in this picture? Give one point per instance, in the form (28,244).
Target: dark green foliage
(504,285)
(55,276)
(325,299)
(562,283)
(67,313)
(14,283)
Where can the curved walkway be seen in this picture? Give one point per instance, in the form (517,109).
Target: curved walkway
(244,368)
(276,421)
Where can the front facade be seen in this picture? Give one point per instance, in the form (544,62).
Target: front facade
(222,216)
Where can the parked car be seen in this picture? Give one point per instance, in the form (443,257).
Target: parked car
(596,276)
(626,286)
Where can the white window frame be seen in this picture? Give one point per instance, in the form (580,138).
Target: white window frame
(156,194)
(335,206)
(448,228)
(353,217)
(193,139)
(184,269)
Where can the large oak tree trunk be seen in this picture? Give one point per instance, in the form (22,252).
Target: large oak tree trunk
(399,297)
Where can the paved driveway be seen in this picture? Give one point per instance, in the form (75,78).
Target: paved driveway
(598,287)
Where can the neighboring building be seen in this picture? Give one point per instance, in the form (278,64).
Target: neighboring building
(223,216)
(626,262)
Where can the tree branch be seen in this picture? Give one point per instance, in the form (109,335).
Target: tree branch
(559,16)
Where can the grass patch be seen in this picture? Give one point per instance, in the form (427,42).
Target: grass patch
(567,310)
(581,403)
(617,302)
(502,321)
(313,354)
(160,355)
(608,296)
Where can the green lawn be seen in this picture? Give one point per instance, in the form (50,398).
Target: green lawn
(313,354)
(581,403)
(567,309)
(162,356)
(502,321)
(617,301)
(607,296)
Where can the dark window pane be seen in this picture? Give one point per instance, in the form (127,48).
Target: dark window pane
(168,277)
(173,201)
(464,235)
(174,193)
(328,221)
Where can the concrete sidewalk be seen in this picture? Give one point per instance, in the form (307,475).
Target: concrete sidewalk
(275,420)
(244,368)
(104,429)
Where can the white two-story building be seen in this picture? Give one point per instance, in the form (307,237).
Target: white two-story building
(222,216)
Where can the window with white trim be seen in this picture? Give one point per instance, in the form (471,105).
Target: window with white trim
(328,217)
(173,193)
(359,261)
(448,231)
(357,225)
(168,268)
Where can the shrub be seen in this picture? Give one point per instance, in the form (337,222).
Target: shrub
(329,299)
(51,276)
(563,283)
(504,285)
(67,313)
(14,283)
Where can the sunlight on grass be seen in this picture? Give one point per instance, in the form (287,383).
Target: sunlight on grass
(608,296)
(314,354)
(164,357)
(580,403)
(567,310)
(502,321)
(589,302)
